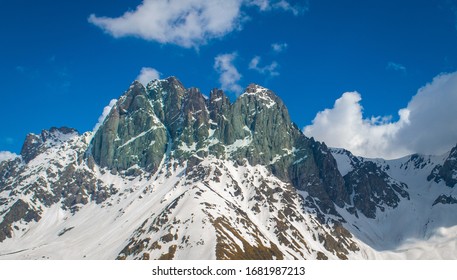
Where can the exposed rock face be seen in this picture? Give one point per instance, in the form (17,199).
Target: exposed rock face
(369,186)
(446,172)
(131,134)
(31,147)
(373,189)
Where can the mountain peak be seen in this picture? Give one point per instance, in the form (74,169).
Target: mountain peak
(35,144)
(255,88)
(268,97)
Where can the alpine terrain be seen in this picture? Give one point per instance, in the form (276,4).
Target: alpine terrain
(172,174)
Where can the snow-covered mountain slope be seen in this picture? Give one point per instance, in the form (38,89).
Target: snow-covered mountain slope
(173,175)
(215,209)
(422,224)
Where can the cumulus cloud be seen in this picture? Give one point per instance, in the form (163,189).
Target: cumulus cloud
(229,75)
(279,47)
(396,67)
(427,125)
(270,69)
(105,113)
(187,23)
(432,117)
(148,74)
(5,155)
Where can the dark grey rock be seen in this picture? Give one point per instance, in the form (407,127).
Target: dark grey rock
(445,199)
(446,172)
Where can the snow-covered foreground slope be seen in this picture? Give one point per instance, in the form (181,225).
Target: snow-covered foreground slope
(214,209)
(422,226)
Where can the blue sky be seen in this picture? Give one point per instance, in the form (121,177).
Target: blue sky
(61,62)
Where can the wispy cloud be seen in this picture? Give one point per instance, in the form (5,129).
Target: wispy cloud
(298,7)
(427,125)
(148,74)
(279,47)
(104,114)
(187,23)
(396,67)
(270,69)
(229,75)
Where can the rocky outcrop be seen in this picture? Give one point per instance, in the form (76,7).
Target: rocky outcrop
(446,172)
(20,210)
(368,186)
(372,189)
(445,199)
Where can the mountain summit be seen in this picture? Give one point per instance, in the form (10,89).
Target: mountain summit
(171,174)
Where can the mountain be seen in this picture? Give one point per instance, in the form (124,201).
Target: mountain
(171,174)
(410,210)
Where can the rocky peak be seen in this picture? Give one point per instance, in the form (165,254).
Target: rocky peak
(30,148)
(195,119)
(219,104)
(35,144)
(167,98)
(255,89)
(133,99)
(132,134)
(170,121)
(195,102)
(260,95)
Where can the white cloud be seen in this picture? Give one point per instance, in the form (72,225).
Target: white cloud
(267,5)
(432,117)
(270,69)
(5,155)
(279,47)
(428,125)
(105,113)
(148,74)
(296,9)
(229,75)
(187,23)
(396,67)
